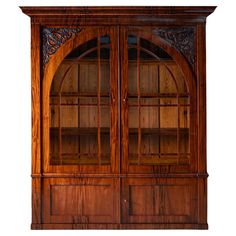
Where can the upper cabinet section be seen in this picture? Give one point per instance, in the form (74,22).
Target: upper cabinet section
(175,26)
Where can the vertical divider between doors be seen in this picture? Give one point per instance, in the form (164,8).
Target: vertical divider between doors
(124,102)
(115,120)
(114,70)
(119,120)
(124,119)
(115,113)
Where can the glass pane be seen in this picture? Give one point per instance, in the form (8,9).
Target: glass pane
(154,49)
(80,106)
(133,118)
(158,106)
(105,39)
(132,40)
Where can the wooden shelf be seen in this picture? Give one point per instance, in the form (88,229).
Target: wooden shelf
(159,160)
(106,130)
(81,104)
(143,95)
(76,159)
(159,131)
(159,95)
(76,94)
(78,131)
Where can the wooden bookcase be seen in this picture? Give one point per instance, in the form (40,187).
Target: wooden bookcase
(118,117)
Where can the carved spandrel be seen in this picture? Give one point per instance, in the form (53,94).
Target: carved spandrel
(53,38)
(181,39)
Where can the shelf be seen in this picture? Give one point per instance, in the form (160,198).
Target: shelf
(158,155)
(144,95)
(165,159)
(159,131)
(160,95)
(159,105)
(106,130)
(76,94)
(82,159)
(80,104)
(79,131)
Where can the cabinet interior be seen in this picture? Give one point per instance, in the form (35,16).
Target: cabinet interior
(80,106)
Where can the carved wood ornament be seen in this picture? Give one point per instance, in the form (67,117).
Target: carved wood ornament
(181,39)
(53,38)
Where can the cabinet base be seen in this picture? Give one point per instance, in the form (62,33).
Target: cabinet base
(119,226)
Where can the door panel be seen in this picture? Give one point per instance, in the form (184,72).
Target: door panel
(81,200)
(153,200)
(83,109)
(157,112)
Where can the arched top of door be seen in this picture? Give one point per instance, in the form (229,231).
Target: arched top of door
(80,36)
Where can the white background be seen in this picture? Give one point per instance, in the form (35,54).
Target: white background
(15,118)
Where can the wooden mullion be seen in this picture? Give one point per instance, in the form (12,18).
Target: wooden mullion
(159,110)
(78,138)
(139,111)
(178,129)
(98,101)
(59,127)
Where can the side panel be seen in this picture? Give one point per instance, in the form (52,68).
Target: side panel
(36,127)
(201,76)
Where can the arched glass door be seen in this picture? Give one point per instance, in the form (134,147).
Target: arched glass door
(150,104)
(156,108)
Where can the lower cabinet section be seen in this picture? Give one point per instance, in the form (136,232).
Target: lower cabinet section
(121,202)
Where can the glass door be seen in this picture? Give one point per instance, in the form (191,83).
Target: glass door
(83,109)
(155,109)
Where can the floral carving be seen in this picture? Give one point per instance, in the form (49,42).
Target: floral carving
(180,38)
(53,38)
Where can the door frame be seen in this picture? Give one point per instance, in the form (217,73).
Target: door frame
(55,60)
(146,32)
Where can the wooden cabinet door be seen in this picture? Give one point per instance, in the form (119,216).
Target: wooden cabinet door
(158,115)
(159,200)
(80,106)
(158,105)
(81,200)
(80,131)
